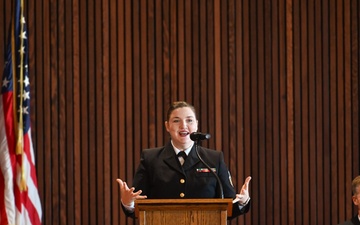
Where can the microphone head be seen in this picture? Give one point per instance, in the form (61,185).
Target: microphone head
(197,136)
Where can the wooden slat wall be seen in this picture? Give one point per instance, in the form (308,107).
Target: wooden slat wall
(276,84)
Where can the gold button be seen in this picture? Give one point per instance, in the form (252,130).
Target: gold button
(182,195)
(182,181)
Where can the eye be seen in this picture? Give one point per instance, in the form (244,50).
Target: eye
(189,120)
(175,120)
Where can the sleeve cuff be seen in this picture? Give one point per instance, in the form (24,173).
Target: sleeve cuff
(245,203)
(130,207)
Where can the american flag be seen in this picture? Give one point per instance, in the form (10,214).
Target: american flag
(19,198)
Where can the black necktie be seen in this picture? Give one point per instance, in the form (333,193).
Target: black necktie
(182,154)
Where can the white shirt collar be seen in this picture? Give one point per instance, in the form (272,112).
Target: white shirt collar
(187,151)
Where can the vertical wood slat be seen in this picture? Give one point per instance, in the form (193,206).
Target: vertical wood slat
(217,69)
(128,74)
(121,88)
(340,103)
(261,99)
(319,115)
(240,150)
(203,79)
(173,50)
(333,108)
(144,76)
(151,73)
(304,119)
(52,82)
(298,109)
(312,113)
(180,13)
(210,73)
(280,99)
(246,102)
(326,116)
(84,101)
(275,102)
(108,177)
(188,48)
(136,79)
(77,192)
(113,117)
(63,201)
(69,132)
(355,9)
(284,124)
(92,91)
(289,151)
(234,151)
(348,105)
(49,204)
(195,52)
(267,107)
(159,70)
(224,54)
(100,99)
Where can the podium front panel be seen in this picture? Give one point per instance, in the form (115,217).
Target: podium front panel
(183,212)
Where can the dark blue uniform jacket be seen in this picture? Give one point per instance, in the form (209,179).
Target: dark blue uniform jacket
(160,176)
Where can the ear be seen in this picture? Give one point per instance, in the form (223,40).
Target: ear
(355,200)
(167,126)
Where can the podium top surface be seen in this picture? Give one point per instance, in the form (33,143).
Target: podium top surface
(183,204)
(185,201)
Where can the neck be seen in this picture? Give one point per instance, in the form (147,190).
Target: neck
(182,147)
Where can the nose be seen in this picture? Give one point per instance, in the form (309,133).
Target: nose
(183,123)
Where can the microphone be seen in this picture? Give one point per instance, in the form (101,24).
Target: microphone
(197,136)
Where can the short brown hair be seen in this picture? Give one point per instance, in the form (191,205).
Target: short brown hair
(355,184)
(179,104)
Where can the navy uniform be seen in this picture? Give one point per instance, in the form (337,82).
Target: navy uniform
(354,221)
(161,176)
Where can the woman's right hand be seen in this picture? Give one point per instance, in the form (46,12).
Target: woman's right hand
(128,196)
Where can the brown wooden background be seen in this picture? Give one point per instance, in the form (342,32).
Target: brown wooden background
(275,82)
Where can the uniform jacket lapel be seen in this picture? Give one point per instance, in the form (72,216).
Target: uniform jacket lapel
(172,161)
(170,158)
(355,220)
(191,160)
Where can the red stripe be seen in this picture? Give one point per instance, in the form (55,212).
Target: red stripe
(9,128)
(33,214)
(9,123)
(3,216)
(30,208)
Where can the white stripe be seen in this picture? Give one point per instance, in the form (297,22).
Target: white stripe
(22,218)
(31,147)
(32,189)
(6,170)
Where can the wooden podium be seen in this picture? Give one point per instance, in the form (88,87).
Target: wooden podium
(183,211)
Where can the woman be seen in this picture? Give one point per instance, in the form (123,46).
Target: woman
(164,174)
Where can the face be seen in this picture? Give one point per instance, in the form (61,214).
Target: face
(182,122)
(356,197)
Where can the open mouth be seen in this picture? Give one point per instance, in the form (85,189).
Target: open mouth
(183,133)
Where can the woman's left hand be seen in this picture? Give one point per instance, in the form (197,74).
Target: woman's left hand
(243,197)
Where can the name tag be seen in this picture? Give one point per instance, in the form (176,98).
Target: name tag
(205,170)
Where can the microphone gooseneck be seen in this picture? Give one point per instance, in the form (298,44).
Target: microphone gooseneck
(197,136)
